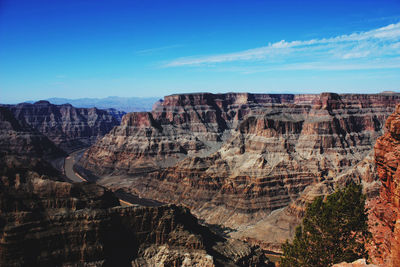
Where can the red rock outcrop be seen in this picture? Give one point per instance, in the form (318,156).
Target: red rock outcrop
(385,210)
(235,158)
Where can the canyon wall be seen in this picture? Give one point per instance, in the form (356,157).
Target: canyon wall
(246,161)
(68,127)
(385,210)
(22,149)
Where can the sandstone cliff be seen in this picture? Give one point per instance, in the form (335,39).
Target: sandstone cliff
(245,161)
(68,127)
(385,210)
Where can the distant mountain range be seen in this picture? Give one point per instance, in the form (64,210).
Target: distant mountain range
(127,104)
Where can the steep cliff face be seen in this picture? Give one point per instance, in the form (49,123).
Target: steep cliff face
(385,210)
(117,114)
(17,137)
(235,158)
(68,127)
(22,149)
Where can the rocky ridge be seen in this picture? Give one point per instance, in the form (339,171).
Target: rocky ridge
(248,162)
(68,127)
(22,149)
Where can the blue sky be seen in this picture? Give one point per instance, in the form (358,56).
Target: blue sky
(147,48)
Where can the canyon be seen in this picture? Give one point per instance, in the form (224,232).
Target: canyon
(245,163)
(47,221)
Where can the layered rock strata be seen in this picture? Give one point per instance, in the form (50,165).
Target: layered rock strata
(385,210)
(17,137)
(68,127)
(22,149)
(47,222)
(235,158)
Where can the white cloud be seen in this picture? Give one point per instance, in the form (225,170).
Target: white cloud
(366,46)
(157,49)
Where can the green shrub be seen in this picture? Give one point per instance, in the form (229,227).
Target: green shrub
(333,230)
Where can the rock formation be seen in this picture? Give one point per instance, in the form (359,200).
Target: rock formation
(45,221)
(357,263)
(68,127)
(117,114)
(23,149)
(248,162)
(385,210)
(17,137)
(50,223)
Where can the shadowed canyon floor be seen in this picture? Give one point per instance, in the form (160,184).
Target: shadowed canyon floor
(246,162)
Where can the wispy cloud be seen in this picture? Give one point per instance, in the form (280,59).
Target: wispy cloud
(349,51)
(157,49)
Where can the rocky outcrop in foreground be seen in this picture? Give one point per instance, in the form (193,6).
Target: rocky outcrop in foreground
(68,127)
(50,223)
(248,162)
(385,210)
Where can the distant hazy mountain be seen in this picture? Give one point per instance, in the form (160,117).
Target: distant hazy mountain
(127,104)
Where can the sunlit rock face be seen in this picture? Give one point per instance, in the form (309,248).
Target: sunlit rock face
(235,158)
(68,127)
(385,210)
